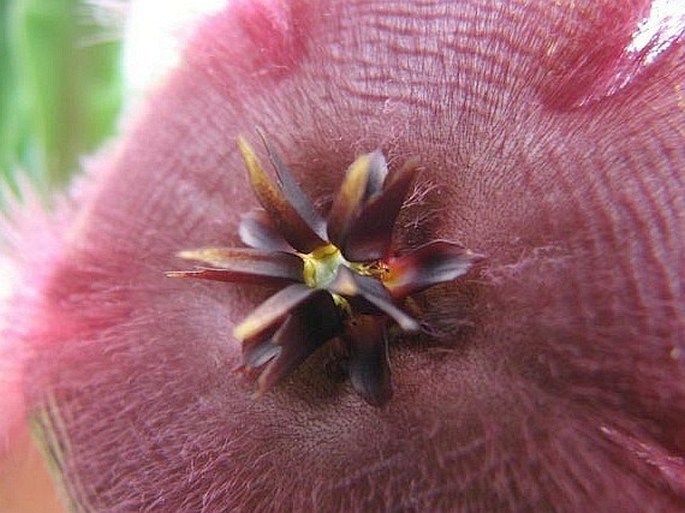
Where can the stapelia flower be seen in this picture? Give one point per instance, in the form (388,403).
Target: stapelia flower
(556,146)
(339,276)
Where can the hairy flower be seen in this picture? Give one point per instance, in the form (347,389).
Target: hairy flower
(339,275)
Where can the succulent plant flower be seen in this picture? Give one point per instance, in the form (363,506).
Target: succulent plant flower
(550,142)
(339,276)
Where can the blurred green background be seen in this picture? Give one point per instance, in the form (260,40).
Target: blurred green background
(60,88)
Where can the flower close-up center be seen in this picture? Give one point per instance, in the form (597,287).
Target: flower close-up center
(321,266)
(339,277)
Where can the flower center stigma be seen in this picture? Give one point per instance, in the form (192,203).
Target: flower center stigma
(321,267)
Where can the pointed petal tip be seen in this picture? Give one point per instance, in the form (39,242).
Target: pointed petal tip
(369,234)
(414,164)
(472,259)
(369,368)
(349,199)
(377,400)
(376,395)
(260,355)
(250,159)
(259,180)
(263,386)
(290,210)
(378,166)
(436,262)
(408,324)
(244,146)
(269,378)
(196,254)
(243,330)
(187,254)
(179,274)
(476,257)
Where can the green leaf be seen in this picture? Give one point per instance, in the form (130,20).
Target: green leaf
(60,88)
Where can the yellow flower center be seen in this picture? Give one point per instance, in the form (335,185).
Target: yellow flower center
(321,266)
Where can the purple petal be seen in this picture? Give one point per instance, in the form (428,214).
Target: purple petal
(299,336)
(292,190)
(433,263)
(369,368)
(288,221)
(274,310)
(370,234)
(257,230)
(363,181)
(350,284)
(241,265)
(260,355)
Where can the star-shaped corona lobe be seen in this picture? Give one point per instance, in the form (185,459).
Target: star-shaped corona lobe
(340,278)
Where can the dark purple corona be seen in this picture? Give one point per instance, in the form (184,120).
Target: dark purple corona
(339,276)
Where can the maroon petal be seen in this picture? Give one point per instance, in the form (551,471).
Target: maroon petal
(274,310)
(257,230)
(241,265)
(369,369)
(292,190)
(300,335)
(370,234)
(435,262)
(350,284)
(260,354)
(363,180)
(294,228)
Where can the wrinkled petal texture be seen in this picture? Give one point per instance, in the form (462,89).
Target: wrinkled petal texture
(555,379)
